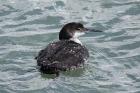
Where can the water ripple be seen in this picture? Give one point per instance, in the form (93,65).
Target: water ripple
(28,26)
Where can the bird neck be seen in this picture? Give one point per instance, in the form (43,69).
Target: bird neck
(76,40)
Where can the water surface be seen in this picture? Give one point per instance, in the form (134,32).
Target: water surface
(26,26)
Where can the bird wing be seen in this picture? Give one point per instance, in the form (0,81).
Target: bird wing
(71,54)
(45,55)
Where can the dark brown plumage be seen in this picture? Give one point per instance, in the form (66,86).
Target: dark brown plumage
(65,53)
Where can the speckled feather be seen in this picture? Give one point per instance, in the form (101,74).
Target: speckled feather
(61,55)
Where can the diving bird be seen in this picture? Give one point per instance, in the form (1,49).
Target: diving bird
(67,52)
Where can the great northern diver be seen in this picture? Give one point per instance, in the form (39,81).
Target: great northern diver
(66,53)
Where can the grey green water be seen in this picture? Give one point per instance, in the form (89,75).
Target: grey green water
(26,26)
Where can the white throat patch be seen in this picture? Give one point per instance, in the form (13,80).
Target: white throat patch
(75,37)
(77,34)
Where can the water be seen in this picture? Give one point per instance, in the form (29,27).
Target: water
(26,26)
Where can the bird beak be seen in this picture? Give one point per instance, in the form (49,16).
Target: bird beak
(91,30)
